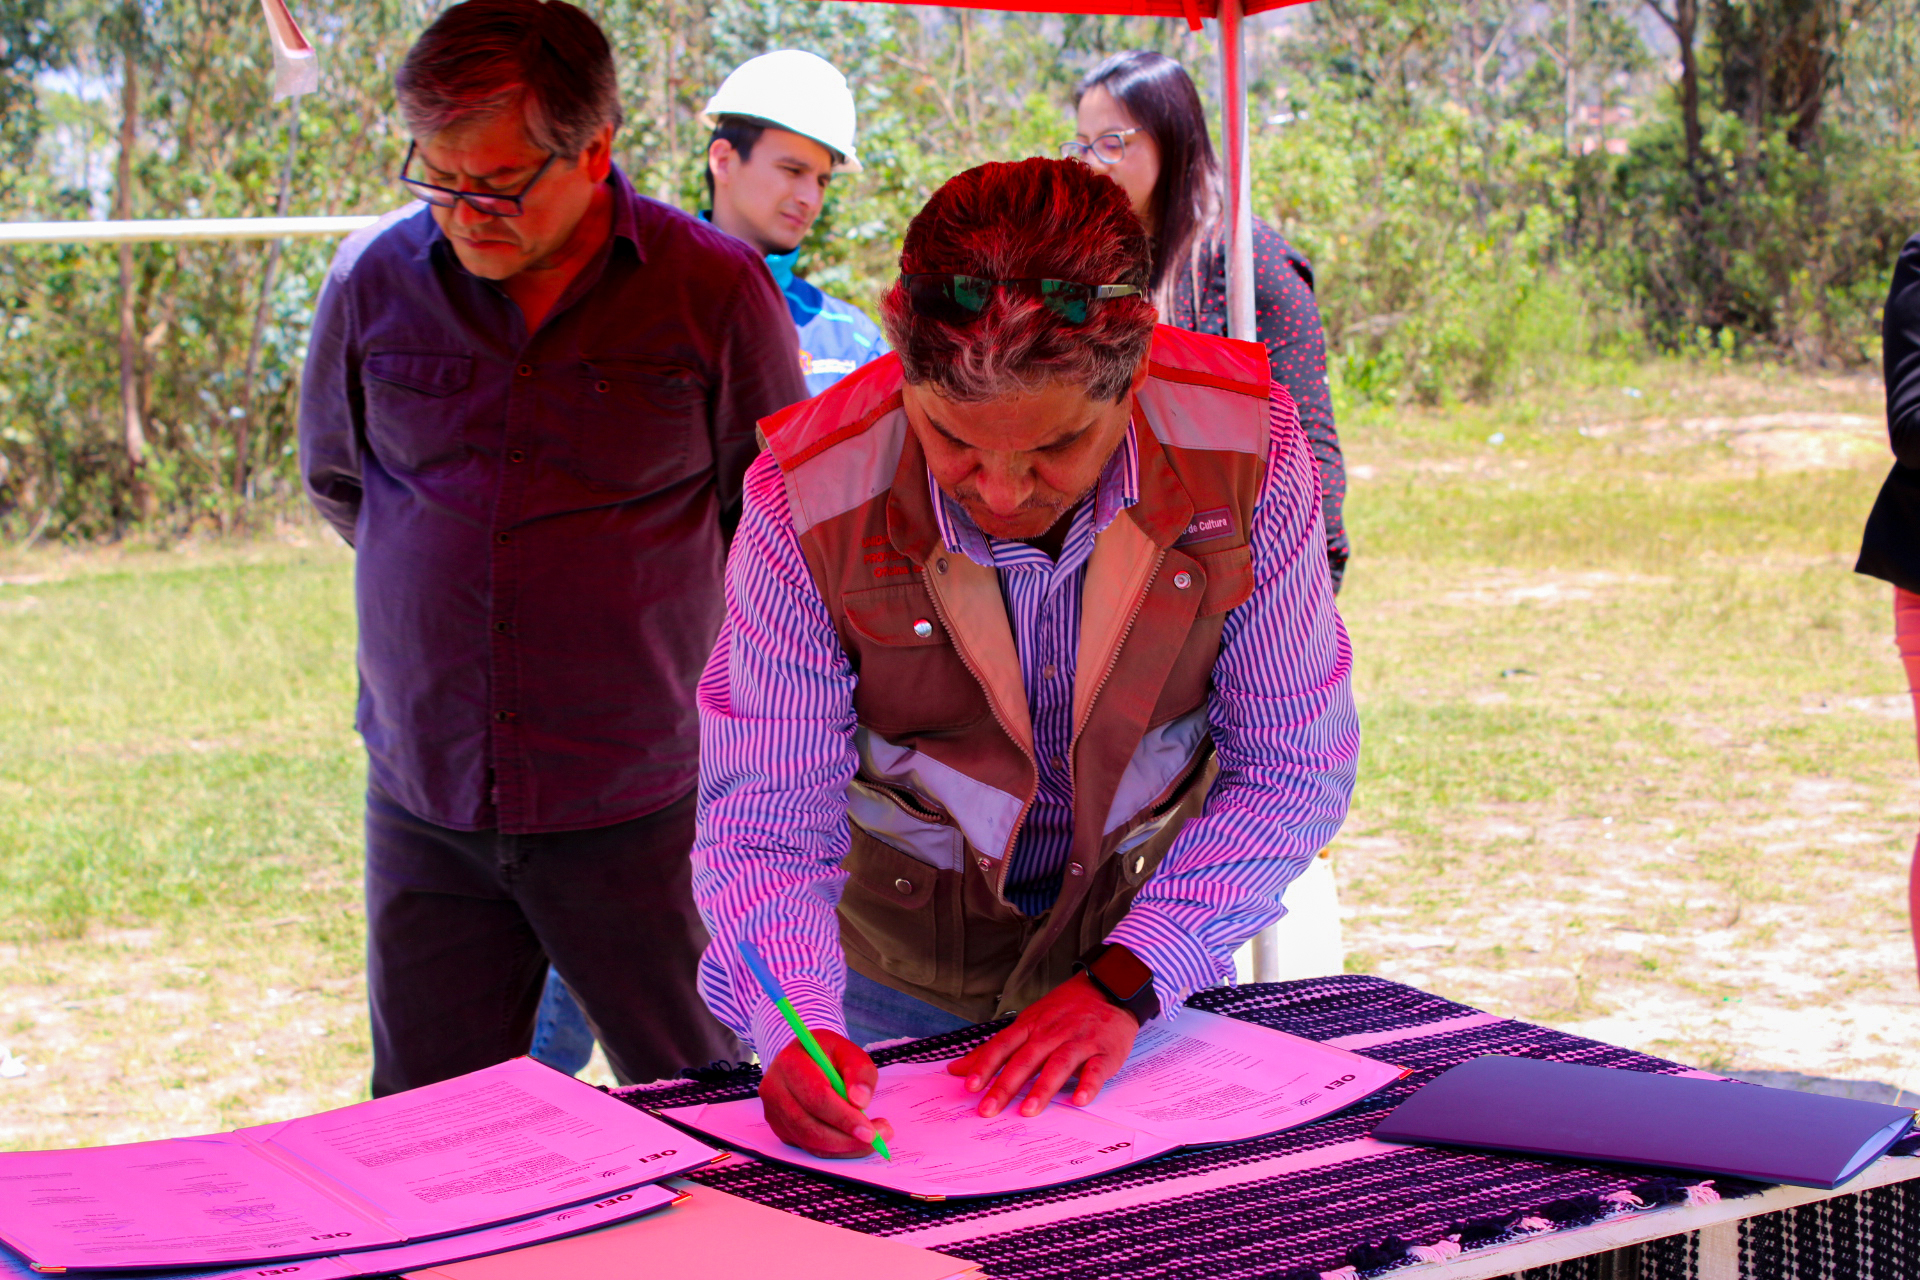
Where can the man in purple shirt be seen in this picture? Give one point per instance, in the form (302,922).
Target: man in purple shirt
(529,403)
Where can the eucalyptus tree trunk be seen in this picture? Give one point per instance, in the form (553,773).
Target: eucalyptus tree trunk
(133,429)
(1684,21)
(243,425)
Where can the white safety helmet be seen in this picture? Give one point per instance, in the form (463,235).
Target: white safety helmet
(797,91)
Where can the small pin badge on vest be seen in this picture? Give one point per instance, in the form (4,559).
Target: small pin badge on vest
(922,628)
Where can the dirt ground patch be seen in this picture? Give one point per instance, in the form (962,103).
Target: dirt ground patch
(1778,442)
(133,1034)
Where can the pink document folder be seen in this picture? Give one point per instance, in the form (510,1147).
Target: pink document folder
(483,1149)
(403,1257)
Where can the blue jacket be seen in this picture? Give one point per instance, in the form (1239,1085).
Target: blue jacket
(835,337)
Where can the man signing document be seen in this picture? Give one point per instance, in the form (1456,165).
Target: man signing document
(1031,693)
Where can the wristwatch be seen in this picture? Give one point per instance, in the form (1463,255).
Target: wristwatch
(1121,977)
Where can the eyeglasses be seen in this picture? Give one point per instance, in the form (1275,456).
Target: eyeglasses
(496,206)
(1108,148)
(961,299)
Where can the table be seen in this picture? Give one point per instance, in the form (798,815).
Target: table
(1326,1201)
(1869,1230)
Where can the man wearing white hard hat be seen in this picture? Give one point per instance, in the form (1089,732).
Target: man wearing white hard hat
(782,127)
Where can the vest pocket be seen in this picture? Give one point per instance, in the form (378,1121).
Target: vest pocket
(888,910)
(1138,853)
(898,617)
(911,680)
(1229,579)
(897,817)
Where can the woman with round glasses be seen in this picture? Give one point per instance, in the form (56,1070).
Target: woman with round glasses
(1140,122)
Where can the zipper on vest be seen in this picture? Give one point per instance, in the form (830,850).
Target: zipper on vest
(1013,836)
(1178,795)
(1139,603)
(907,799)
(1058,922)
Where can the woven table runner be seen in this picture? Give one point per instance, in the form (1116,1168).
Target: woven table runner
(1321,1201)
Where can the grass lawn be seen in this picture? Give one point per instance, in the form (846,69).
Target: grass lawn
(1639,754)
(1639,762)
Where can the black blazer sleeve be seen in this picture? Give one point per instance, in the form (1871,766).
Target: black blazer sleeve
(1900,330)
(1890,548)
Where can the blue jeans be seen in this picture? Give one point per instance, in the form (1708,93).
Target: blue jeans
(561,1037)
(875,1012)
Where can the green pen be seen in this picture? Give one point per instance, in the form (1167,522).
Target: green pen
(768,984)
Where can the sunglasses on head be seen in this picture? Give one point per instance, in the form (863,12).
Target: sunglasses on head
(960,299)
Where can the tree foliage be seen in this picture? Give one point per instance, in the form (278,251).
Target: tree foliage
(1486,187)
(1755,216)
(937,91)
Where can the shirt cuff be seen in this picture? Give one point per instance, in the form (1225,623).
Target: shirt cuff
(819,1008)
(1180,965)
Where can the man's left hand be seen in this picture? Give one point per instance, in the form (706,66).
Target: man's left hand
(1072,1029)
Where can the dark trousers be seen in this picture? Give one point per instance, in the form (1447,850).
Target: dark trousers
(461,926)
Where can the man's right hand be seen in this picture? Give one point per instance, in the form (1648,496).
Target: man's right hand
(803,1108)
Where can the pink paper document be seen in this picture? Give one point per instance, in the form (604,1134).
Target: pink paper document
(486,1148)
(1195,1079)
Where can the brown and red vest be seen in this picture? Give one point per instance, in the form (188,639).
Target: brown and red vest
(947,771)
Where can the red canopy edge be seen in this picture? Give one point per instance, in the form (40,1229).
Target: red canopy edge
(1189,9)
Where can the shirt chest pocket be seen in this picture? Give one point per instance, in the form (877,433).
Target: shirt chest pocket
(636,426)
(416,416)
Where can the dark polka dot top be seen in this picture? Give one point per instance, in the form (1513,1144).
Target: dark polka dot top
(1288,322)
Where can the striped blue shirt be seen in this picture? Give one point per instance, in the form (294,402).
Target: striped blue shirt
(1043,605)
(777,749)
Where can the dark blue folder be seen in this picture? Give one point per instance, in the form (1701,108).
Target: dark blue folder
(1630,1117)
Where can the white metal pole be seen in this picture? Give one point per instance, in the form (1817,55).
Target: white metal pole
(156,229)
(1233,114)
(1267,966)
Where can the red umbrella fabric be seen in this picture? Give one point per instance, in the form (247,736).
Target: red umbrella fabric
(1192,10)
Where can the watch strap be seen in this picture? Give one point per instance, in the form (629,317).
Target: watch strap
(1143,1002)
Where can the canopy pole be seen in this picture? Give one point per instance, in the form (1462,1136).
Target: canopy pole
(1268,950)
(1239,211)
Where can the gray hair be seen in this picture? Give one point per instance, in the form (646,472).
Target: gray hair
(543,57)
(1030,219)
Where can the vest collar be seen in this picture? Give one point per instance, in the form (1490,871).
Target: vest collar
(911,525)
(1165,507)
